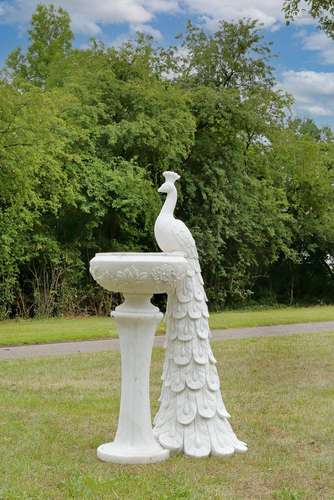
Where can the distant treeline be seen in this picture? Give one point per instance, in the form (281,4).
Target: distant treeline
(85,135)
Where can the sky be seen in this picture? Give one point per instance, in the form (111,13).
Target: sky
(305,56)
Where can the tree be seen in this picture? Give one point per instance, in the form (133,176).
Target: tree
(119,127)
(50,39)
(235,56)
(81,177)
(229,198)
(303,157)
(32,181)
(321,10)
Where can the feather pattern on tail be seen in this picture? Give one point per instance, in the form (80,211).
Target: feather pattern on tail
(192,415)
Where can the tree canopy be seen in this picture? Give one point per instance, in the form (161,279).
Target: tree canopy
(85,135)
(320,10)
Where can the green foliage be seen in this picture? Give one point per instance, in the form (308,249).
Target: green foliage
(86,134)
(50,41)
(307,154)
(321,10)
(243,224)
(235,56)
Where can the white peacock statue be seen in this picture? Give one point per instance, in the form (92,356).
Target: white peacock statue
(192,416)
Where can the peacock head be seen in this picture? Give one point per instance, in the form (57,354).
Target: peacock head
(168,185)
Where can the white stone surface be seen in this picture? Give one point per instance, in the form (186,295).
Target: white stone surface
(138,273)
(192,416)
(138,276)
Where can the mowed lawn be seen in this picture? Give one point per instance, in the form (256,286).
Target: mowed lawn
(16,332)
(279,390)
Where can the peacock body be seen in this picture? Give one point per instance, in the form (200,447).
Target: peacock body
(192,416)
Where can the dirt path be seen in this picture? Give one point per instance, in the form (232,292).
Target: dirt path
(31,351)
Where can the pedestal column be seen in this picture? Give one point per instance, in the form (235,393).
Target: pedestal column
(134,443)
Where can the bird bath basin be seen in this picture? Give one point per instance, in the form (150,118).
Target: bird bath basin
(138,276)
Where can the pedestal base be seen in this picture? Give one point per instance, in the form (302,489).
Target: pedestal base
(134,443)
(111,452)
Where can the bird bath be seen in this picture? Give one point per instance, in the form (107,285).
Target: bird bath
(138,276)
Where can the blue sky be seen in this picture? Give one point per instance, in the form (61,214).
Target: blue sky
(305,62)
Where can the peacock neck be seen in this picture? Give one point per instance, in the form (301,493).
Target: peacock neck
(170,202)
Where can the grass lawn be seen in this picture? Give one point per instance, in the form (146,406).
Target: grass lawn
(280,392)
(17,332)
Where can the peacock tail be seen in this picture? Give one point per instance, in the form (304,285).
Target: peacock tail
(192,416)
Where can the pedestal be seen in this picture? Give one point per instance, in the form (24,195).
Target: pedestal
(134,443)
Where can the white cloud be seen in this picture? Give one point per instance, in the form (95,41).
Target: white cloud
(147,30)
(318,42)
(167,6)
(268,12)
(89,16)
(131,34)
(313,92)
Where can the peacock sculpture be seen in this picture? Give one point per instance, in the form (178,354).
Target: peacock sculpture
(192,416)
